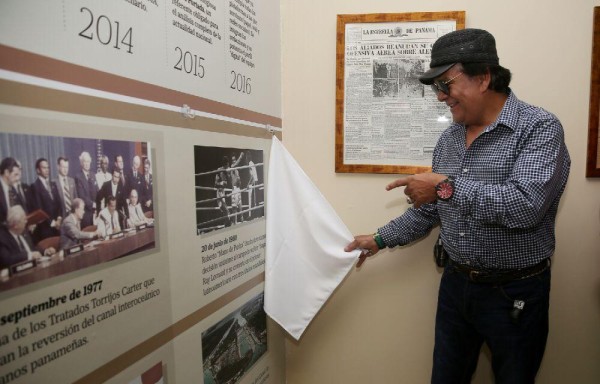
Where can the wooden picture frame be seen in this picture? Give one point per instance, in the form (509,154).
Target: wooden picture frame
(593,150)
(399,46)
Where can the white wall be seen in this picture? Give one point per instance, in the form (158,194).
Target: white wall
(378,326)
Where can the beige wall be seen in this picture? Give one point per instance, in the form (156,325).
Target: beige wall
(378,326)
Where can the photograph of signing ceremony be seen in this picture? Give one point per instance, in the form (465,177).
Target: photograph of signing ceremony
(229,187)
(70,203)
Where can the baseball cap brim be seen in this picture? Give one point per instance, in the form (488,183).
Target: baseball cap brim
(432,73)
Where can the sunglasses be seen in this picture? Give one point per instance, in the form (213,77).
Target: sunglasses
(443,86)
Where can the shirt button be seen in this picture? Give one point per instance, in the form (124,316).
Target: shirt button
(462,234)
(465,170)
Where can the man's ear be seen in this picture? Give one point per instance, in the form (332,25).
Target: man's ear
(484,81)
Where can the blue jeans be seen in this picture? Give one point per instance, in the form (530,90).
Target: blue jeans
(470,313)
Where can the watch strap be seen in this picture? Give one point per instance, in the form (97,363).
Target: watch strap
(378,240)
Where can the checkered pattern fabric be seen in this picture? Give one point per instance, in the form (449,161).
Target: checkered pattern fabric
(507,189)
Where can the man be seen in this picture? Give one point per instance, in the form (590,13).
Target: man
(112,188)
(146,188)
(22,189)
(134,176)
(10,174)
(221,182)
(15,243)
(70,230)
(499,171)
(87,188)
(44,196)
(14,248)
(252,182)
(236,184)
(66,186)
(120,166)
(103,174)
(108,219)
(135,214)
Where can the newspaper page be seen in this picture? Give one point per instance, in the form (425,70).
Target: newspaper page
(390,118)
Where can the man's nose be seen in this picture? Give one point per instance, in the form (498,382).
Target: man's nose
(441,96)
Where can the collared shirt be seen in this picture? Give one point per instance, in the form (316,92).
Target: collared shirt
(21,192)
(102,177)
(46,183)
(508,184)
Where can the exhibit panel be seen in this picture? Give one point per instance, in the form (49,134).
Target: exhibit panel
(136,136)
(77,307)
(220,226)
(218,54)
(93,313)
(236,344)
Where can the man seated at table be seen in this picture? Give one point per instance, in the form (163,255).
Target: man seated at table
(15,243)
(70,229)
(135,213)
(108,219)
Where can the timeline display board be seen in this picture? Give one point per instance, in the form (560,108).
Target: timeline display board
(174,293)
(224,51)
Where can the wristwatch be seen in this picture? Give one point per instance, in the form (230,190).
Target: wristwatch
(445,189)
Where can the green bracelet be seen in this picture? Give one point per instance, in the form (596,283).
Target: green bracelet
(378,240)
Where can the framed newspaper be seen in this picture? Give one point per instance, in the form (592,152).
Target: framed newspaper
(593,152)
(386,120)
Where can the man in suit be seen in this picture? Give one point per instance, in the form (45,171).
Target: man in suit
(10,174)
(134,176)
(135,213)
(44,196)
(115,189)
(120,166)
(22,189)
(15,243)
(66,186)
(103,174)
(146,188)
(87,189)
(70,230)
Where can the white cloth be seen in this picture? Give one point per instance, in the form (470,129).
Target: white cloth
(305,258)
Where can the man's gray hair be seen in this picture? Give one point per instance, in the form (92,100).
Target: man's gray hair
(84,155)
(15,214)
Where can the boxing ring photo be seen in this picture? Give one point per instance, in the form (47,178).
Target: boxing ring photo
(229,186)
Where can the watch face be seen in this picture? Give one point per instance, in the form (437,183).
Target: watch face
(444,190)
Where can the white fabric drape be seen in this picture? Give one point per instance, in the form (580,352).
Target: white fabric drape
(305,258)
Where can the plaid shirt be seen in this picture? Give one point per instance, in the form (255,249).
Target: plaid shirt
(508,184)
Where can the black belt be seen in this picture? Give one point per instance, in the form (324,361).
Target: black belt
(499,276)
